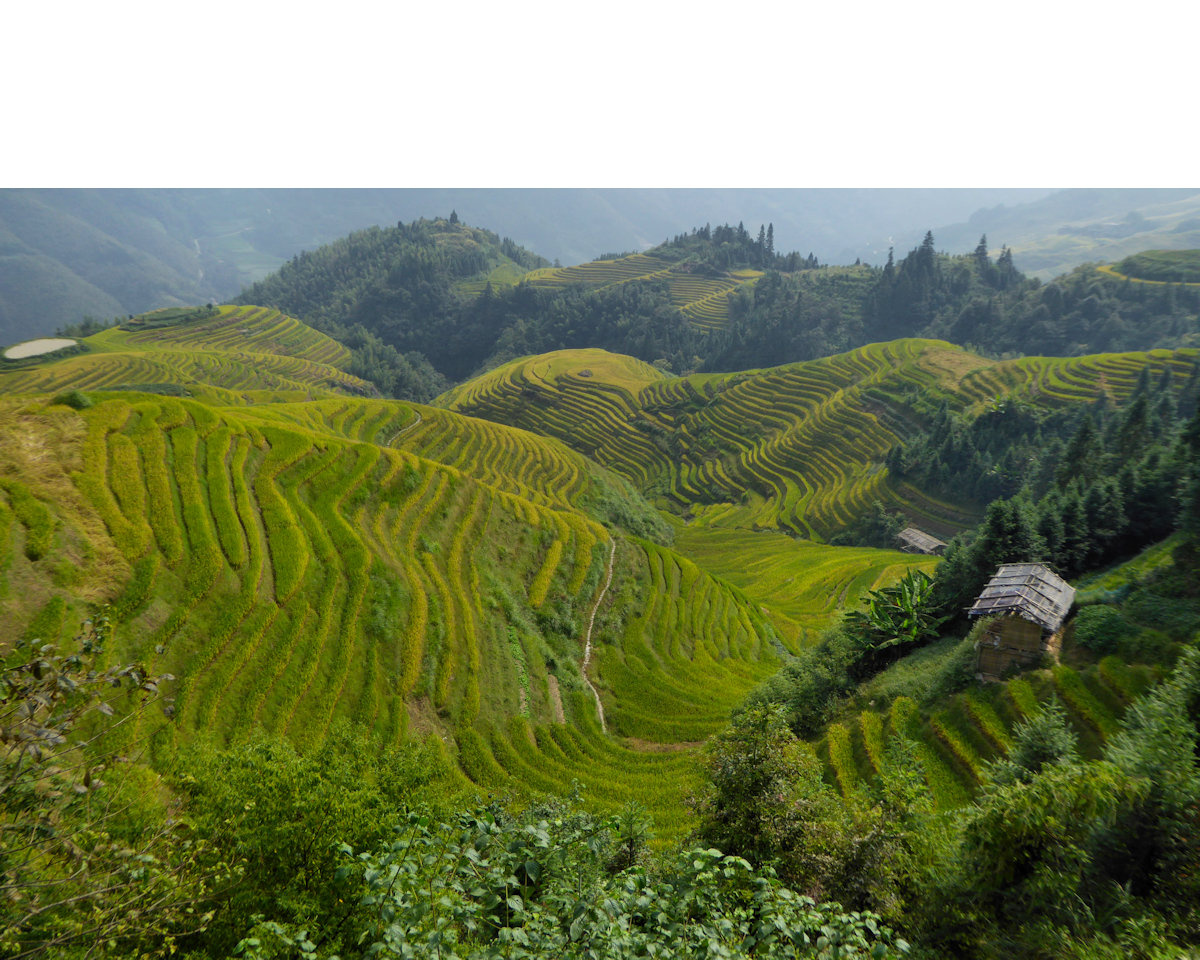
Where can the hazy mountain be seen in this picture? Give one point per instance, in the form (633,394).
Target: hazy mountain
(1053,234)
(66,253)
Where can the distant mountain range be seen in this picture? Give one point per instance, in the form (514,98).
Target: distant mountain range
(65,254)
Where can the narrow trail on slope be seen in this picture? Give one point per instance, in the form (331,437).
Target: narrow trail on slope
(587,644)
(404,429)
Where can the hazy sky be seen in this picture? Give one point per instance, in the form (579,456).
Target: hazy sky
(651,94)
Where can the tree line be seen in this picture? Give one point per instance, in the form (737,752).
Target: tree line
(1123,479)
(403,285)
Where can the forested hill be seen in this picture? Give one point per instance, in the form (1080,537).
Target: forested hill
(719,298)
(405,284)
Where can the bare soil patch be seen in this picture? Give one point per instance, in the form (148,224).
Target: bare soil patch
(35,348)
(556,699)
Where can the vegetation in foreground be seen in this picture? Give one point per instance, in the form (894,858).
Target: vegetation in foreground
(1056,856)
(266,851)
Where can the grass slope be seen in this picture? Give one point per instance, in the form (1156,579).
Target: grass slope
(232,356)
(1159,266)
(801,586)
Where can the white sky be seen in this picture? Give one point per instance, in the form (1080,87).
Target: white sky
(653,93)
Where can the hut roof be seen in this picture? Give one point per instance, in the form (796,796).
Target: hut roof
(919,540)
(1030,590)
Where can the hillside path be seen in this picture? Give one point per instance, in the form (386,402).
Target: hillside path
(587,644)
(404,429)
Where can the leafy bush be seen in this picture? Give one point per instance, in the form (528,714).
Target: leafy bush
(1064,857)
(74,399)
(1177,616)
(87,858)
(1101,628)
(898,615)
(279,814)
(1044,738)
(810,686)
(1148,646)
(487,886)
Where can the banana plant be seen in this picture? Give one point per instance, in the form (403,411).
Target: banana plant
(900,614)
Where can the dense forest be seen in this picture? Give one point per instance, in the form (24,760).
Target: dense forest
(425,290)
(976,301)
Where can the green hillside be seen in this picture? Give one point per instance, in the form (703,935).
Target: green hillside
(230,356)
(289,578)
(798,448)
(702,299)
(1161,266)
(296,554)
(449,300)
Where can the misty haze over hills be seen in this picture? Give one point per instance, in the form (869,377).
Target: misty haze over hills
(69,253)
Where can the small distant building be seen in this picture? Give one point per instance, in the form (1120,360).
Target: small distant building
(913,540)
(1030,602)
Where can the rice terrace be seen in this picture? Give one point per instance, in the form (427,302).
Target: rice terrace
(415,653)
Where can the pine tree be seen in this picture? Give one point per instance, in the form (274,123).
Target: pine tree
(1082,456)
(1077,540)
(1006,272)
(981,253)
(925,255)
(1105,510)
(1133,431)
(1050,526)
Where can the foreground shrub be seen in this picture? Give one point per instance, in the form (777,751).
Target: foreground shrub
(1101,628)
(485,886)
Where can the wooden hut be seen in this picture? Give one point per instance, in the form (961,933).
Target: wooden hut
(1029,602)
(913,540)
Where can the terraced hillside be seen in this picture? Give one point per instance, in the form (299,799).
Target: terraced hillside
(956,736)
(701,298)
(298,556)
(1158,266)
(291,568)
(954,742)
(1057,381)
(797,448)
(236,352)
(540,469)
(799,585)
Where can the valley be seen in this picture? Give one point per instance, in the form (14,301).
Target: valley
(295,554)
(578,581)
